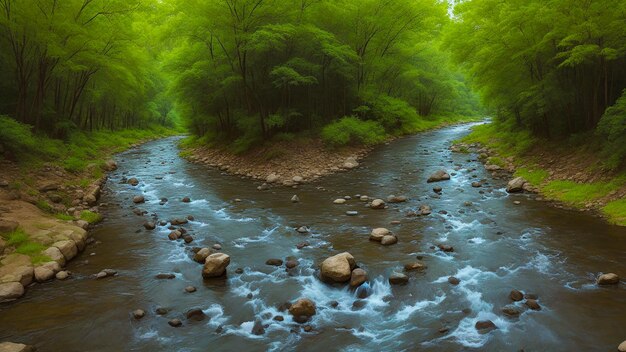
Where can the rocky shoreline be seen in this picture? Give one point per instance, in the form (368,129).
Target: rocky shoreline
(283,163)
(44,222)
(36,245)
(509,165)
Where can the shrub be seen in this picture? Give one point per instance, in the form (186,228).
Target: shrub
(351,130)
(612,130)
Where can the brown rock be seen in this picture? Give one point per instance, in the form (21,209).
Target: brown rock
(358,277)
(532,304)
(516,295)
(338,268)
(303,307)
(215,265)
(608,279)
(377,234)
(485,326)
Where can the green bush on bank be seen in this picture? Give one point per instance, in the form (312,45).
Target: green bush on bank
(77,153)
(350,130)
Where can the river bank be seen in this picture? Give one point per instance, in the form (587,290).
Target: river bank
(47,208)
(293,162)
(571,177)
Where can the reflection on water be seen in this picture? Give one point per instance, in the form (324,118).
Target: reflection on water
(498,246)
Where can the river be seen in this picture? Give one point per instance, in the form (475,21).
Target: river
(498,246)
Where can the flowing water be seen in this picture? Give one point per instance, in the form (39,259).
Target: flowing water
(499,246)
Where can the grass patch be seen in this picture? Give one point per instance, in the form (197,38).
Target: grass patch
(30,248)
(37,259)
(16,237)
(578,194)
(616,212)
(63,217)
(19,239)
(43,205)
(534,176)
(90,216)
(494,160)
(501,137)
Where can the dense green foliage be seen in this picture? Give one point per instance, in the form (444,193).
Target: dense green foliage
(551,66)
(245,70)
(79,64)
(80,151)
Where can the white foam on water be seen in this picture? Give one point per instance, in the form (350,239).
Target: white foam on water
(221,213)
(216,312)
(459,225)
(179,256)
(467,335)
(263,237)
(408,310)
(198,202)
(180,184)
(477,240)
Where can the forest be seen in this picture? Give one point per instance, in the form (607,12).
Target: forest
(243,72)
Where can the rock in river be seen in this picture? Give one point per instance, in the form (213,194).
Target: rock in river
(414,266)
(622,347)
(338,268)
(608,279)
(439,175)
(139,313)
(339,201)
(138,199)
(15,347)
(378,234)
(302,307)
(274,262)
(377,204)
(215,265)
(358,277)
(389,240)
(532,304)
(515,185)
(516,295)
(398,279)
(484,326)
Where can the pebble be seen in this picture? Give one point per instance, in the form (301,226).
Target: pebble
(352,213)
(139,313)
(190,289)
(175,323)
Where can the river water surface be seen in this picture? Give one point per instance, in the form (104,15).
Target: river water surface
(498,246)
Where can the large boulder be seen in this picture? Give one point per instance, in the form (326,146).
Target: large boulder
(439,175)
(515,185)
(202,254)
(55,254)
(215,265)
(338,268)
(68,249)
(378,234)
(608,279)
(43,274)
(15,347)
(10,291)
(302,307)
